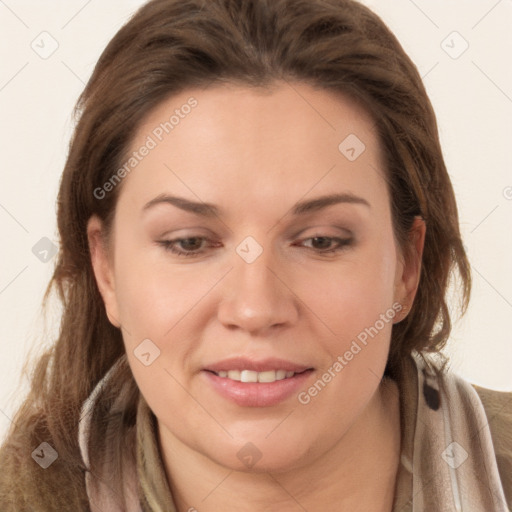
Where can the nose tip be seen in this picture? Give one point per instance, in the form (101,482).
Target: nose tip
(255,299)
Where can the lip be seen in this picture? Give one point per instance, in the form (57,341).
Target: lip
(263,365)
(256,394)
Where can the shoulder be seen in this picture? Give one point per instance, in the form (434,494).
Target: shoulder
(496,405)
(498,409)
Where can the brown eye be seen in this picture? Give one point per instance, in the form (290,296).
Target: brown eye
(188,247)
(323,244)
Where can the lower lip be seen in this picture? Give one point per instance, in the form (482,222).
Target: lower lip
(257,394)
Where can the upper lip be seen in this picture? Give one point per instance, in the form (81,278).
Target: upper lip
(261,365)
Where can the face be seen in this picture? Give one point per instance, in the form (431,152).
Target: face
(254,271)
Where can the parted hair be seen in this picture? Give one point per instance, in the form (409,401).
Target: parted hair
(165,48)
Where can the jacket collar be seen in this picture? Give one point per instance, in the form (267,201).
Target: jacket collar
(447,457)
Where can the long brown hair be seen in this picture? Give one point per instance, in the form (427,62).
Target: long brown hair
(167,47)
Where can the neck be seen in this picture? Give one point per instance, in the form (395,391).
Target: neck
(357,474)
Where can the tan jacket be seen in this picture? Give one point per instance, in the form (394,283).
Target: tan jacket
(498,409)
(456,446)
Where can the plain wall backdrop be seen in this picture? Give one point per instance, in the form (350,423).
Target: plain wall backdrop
(462,49)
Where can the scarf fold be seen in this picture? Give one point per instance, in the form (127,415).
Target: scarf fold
(447,461)
(447,456)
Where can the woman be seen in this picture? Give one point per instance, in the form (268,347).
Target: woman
(257,234)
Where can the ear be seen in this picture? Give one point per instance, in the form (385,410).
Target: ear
(409,270)
(102,264)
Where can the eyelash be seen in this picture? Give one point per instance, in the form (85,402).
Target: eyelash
(170,245)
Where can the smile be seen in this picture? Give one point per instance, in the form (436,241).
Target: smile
(260,385)
(252,376)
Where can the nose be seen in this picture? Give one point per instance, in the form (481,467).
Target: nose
(257,297)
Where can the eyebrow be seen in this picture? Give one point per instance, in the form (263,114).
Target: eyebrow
(300,208)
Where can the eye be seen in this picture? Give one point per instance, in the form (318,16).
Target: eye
(323,244)
(194,246)
(188,247)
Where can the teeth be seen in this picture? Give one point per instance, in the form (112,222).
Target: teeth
(251,376)
(269,376)
(248,376)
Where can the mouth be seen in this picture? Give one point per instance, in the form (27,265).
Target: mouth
(268,376)
(250,383)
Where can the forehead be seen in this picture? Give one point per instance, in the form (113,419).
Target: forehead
(288,139)
(252,113)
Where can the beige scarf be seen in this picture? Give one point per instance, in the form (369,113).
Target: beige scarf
(447,460)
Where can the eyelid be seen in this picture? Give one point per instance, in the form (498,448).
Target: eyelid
(339,242)
(169,245)
(322,230)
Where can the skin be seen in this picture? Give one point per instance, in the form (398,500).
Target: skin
(255,154)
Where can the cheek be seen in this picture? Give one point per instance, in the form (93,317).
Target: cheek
(152,293)
(352,294)
(355,303)
(166,304)
(158,330)
(356,308)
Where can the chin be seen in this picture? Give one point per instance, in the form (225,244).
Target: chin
(264,456)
